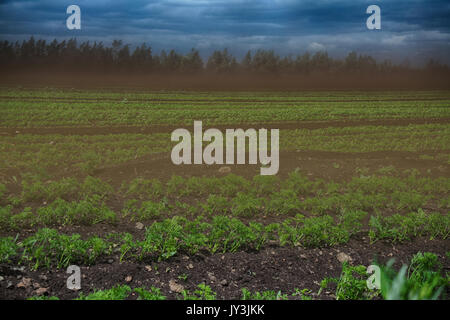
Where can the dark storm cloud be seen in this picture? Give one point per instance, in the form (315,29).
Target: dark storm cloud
(413,28)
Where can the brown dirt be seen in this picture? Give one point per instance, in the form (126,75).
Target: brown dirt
(240,82)
(316,164)
(273,268)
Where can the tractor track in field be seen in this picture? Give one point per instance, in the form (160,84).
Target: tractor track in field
(311,125)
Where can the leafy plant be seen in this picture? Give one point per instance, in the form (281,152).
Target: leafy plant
(245,205)
(283,202)
(151,210)
(399,228)
(119,292)
(152,294)
(85,212)
(183,277)
(304,294)
(8,249)
(351,285)
(49,248)
(163,239)
(204,292)
(216,204)
(422,280)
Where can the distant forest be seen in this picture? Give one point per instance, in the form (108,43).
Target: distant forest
(69,55)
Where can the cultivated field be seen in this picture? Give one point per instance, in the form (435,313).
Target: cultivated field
(86,179)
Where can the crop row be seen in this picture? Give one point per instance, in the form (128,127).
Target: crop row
(48,248)
(143,199)
(149,113)
(50,93)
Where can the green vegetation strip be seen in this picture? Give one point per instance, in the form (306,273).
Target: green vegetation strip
(48,248)
(56,108)
(99,94)
(72,202)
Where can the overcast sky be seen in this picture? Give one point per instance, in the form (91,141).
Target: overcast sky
(413,29)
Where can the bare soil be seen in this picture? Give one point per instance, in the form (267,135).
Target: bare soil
(337,166)
(238,82)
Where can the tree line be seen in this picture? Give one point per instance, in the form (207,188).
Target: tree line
(69,55)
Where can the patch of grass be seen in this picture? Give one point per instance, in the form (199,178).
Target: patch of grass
(152,294)
(119,292)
